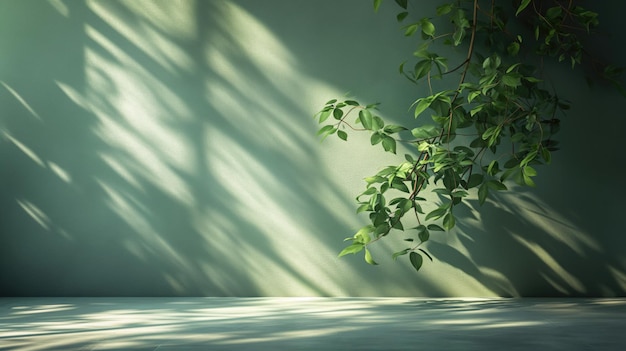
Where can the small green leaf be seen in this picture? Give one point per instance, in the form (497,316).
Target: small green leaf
(324,115)
(512,79)
(400,253)
(529,171)
(411,29)
(377,5)
(342,135)
(483,191)
(352,249)
(496,185)
(368,257)
(365,117)
(422,68)
(493,168)
(435,228)
(444,9)
(449,221)
(513,48)
(428,27)
(401,16)
(422,105)
(337,113)
(436,214)
(377,123)
(389,144)
(330,102)
(522,6)
(416,260)
(391,129)
(528,180)
(376,138)
(425,132)
(325,131)
(424,235)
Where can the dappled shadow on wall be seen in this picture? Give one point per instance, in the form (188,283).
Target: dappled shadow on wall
(519,245)
(184,164)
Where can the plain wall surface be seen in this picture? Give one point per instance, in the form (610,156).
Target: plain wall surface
(167,148)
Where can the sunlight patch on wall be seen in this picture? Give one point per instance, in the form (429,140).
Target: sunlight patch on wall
(61,7)
(25,149)
(60,172)
(255,194)
(21,100)
(177,18)
(144,36)
(134,122)
(36,214)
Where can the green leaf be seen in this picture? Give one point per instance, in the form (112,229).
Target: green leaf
(422,68)
(435,228)
(512,79)
(363,235)
(496,185)
(416,260)
(342,135)
(352,249)
(330,102)
(422,105)
(483,191)
(399,185)
(400,253)
(337,113)
(324,116)
(411,29)
(528,180)
(368,257)
(368,191)
(377,5)
(513,48)
(426,131)
(376,138)
(389,144)
(493,168)
(391,129)
(377,123)
(444,9)
(424,235)
(529,171)
(325,131)
(449,221)
(428,27)
(365,117)
(522,6)
(436,214)
(401,16)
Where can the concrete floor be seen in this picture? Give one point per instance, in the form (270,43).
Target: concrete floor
(194,324)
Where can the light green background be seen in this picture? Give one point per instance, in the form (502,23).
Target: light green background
(167,148)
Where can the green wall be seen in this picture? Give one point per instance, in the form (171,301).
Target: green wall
(166,148)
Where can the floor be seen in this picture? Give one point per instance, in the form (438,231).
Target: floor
(194,324)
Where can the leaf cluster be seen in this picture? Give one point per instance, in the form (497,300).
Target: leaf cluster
(488,119)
